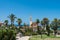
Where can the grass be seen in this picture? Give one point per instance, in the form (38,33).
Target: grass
(44,37)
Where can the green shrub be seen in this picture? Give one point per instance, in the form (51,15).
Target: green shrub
(34,33)
(7,34)
(27,34)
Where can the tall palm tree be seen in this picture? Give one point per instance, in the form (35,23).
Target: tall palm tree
(43,24)
(43,28)
(59,22)
(55,25)
(46,23)
(25,26)
(37,22)
(19,21)
(6,22)
(46,20)
(12,18)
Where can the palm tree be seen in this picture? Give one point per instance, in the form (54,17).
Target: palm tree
(37,22)
(43,24)
(59,22)
(55,25)
(12,18)
(25,26)
(19,21)
(6,22)
(43,28)
(46,23)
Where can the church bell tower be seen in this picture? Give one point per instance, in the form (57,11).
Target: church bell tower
(30,21)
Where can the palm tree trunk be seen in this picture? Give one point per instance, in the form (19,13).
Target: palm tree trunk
(48,30)
(55,33)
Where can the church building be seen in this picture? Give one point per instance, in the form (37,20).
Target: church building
(33,24)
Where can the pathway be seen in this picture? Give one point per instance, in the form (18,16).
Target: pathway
(18,37)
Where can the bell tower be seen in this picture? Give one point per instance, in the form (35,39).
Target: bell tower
(30,20)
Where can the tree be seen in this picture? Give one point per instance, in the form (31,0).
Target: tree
(19,21)
(43,28)
(6,22)
(37,22)
(59,23)
(46,23)
(43,24)
(54,25)
(25,26)
(12,18)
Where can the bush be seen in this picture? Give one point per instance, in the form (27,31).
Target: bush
(7,34)
(29,32)
(34,33)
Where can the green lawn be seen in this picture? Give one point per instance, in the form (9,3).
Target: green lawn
(44,37)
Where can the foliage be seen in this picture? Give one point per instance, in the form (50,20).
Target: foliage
(12,18)
(37,21)
(7,34)
(45,24)
(54,25)
(19,21)
(6,22)
(38,37)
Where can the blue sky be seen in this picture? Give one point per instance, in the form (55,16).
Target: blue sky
(25,8)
